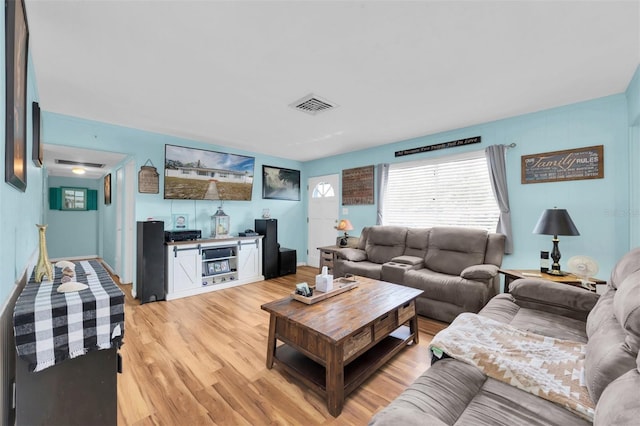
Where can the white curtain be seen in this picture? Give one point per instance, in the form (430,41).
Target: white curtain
(383,178)
(496,161)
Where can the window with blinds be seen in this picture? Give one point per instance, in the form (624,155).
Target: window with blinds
(447,191)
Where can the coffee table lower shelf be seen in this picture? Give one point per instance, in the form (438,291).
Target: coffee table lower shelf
(355,373)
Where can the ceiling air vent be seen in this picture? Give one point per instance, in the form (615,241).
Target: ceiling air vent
(312,104)
(79,163)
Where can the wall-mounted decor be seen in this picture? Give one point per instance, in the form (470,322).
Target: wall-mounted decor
(357,186)
(148,179)
(199,174)
(16,45)
(107,189)
(569,164)
(36,147)
(180,221)
(443,145)
(280,184)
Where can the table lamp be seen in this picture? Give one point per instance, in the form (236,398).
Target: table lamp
(344,225)
(555,222)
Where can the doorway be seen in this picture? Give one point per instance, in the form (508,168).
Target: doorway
(322,208)
(124,207)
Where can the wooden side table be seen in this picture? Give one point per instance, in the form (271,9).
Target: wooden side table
(327,254)
(514,274)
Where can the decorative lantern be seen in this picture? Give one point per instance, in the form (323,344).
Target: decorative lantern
(220,224)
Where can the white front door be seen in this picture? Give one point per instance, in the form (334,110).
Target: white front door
(323,196)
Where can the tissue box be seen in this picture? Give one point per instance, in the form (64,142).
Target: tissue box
(324,283)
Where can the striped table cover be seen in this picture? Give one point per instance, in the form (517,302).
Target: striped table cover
(51,327)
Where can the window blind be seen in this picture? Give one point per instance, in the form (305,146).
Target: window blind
(449,191)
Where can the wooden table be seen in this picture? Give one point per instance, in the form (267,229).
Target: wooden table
(327,254)
(333,346)
(514,274)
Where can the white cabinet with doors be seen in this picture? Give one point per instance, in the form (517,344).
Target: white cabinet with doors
(195,267)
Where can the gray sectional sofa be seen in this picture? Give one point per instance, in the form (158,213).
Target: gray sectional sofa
(456,267)
(452,392)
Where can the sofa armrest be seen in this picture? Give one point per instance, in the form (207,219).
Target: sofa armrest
(540,293)
(414,261)
(353,254)
(480,272)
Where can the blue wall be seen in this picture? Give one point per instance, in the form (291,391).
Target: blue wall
(633,107)
(600,208)
(142,146)
(633,99)
(19,211)
(73,233)
(597,206)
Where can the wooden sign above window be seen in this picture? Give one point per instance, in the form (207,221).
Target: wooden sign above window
(570,164)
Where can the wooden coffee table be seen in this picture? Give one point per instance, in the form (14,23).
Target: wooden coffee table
(333,346)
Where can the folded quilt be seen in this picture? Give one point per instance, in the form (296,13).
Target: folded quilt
(550,368)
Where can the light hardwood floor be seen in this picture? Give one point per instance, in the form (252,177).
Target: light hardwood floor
(201,360)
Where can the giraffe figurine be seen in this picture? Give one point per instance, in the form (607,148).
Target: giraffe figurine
(43,266)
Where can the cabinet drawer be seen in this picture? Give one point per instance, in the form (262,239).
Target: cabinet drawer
(406,312)
(384,325)
(357,342)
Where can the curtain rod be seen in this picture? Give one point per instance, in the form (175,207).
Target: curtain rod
(511,145)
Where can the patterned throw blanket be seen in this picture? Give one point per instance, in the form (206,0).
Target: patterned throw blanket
(546,367)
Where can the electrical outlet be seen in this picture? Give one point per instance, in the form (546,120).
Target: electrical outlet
(345,211)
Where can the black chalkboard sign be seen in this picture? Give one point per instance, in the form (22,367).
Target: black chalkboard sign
(443,145)
(570,164)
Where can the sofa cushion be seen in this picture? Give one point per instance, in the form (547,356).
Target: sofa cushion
(452,249)
(627,265)
(619,404)
(470,295)
(545,295)
(479,272)
(614,326)
(626,307)
(608,357)
(385,242)
(362,242)
(408,260)
(458,393)
(363,268)
(417,242)
(601,312)
(353,254)
(504,308)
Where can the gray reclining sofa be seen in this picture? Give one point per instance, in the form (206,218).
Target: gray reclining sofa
(456,267)
(452,392)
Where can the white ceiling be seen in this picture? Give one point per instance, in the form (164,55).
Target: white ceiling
(226,72)
(51,153)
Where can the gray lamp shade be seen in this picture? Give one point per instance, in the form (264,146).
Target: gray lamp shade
(555,222)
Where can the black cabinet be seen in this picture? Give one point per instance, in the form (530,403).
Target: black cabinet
(287,261)
(150,266)
(268,228)
(78,391)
